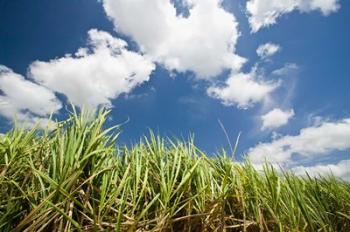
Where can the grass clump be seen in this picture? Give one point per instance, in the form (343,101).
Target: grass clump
(75,178)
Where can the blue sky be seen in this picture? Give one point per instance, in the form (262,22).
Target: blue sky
(180,73)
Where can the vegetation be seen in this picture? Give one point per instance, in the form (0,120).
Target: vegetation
(75,178)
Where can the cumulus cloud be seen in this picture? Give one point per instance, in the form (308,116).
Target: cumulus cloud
(95,74)
(202,42)
(25,100)
(267,50)
(276,118)
(340,169)
(311,142)
(243,90)
(263,13)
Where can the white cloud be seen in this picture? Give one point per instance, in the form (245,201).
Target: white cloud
(340,169)
(276,118)
(267,50)
(311,142)
(25,100)
(243,90)
(263,13)
(287,69)
(204,42)
(96,74)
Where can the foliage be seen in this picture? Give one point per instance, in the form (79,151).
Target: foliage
(75,178)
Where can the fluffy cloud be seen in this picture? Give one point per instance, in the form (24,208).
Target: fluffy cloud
(340,169)
(276,118)
(96,74)
(25,100)
(266,50)
(243,90)
(264,13)
(311,142)
(204,42)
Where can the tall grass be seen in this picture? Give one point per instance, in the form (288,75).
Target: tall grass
(76,179)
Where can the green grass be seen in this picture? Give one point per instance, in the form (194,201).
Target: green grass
(75,179)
